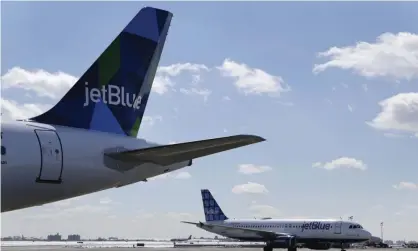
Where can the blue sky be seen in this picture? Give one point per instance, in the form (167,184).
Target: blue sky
(310,123)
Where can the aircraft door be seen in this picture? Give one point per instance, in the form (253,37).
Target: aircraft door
(51,157)
(337,227)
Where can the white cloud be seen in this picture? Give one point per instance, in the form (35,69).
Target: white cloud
(399,112)
(343,162)
(205,93)
(252,169)
(317,164)
(173,175)
(151,120)
(253,80)
(344,85)
(286,103)
(328,101)
(183,175)
(11,110)
(44,84)
(164,78)
(365,87)
(350,108)
(260,211)
(177,69)
(105,200)
(226,98)
(250,187)
(162,84)
(166,74)
(392,55)
(406,186)
(196,79)
(163,81)
(393,135)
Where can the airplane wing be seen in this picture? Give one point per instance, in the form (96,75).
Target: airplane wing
(170,154)
(267,235)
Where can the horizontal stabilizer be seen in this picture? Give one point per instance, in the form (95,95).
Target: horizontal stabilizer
(170,154)
(192,223)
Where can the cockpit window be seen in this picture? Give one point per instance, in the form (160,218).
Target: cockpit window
(351,226)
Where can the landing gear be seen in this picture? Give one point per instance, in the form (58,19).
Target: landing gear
(269,248)
(342,247)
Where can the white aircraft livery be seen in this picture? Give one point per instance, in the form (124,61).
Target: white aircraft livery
(317,234)
(87,141)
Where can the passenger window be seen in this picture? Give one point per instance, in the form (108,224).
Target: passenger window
(3,150)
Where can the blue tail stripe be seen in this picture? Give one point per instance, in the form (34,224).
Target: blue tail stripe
(212,210)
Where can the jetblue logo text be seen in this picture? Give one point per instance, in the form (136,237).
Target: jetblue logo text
(112,95)
(316,225)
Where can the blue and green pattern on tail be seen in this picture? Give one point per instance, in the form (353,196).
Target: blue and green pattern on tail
(112,94)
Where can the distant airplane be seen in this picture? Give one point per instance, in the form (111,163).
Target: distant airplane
(87,141)
(182,239)
(317,234)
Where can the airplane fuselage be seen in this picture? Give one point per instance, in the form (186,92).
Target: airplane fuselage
(43,163)
(306,231)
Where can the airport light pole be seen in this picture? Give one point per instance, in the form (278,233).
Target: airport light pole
(381,230)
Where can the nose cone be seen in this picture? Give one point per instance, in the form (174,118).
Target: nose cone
(367,234)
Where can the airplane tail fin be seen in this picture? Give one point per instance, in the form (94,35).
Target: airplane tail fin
(212,210)
(190,237)
(112,94)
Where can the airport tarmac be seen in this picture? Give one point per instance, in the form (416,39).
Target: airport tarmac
(50,248)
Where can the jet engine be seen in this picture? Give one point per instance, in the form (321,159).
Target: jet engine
(283,242)
(319,246)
